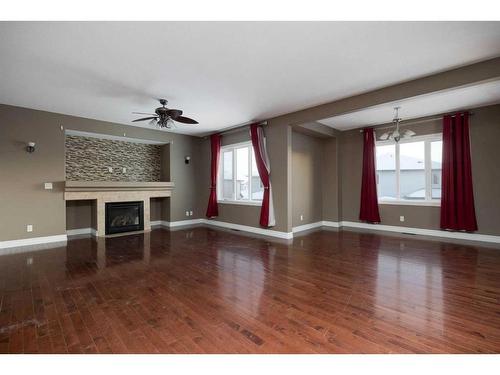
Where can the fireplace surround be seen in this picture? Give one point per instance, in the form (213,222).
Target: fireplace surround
(102,192)
(124,217)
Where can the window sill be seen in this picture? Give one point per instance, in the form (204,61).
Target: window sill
(240,203)
(411,203)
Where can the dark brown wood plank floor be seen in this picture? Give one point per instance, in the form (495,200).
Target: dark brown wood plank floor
(202,290)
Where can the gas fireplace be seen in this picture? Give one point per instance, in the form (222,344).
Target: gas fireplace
(124,217)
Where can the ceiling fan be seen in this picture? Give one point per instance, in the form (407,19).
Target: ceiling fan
(165,117)
(396,134)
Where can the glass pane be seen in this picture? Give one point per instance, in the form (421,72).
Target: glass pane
(227,173)
(257,188)
(242,188)
(436,160)
(412,170)
(386,172)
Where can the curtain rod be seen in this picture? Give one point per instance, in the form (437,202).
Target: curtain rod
(416,121)
(237,128)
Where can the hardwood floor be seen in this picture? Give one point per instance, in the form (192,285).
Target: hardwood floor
(203,290)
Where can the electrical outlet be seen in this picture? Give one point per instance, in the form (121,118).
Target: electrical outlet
(29,261)
(187,213)
(301,217)
(110,169)
(124,170)
(190,213)
(47,185)
(29,228)
(401,218)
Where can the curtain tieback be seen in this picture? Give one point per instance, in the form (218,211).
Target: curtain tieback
(212,187)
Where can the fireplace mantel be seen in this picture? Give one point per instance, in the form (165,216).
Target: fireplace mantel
(103,192)
(117,186)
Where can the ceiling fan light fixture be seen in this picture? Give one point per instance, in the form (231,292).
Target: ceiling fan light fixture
(396,135)
(384,136)
(165,117)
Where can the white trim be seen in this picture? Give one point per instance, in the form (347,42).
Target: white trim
(114,137)
(33,241)
(401,202)
(424,232)
(242,202)
(181,223)
(318,224)
(247,228)
(76,232)
(333,224)
(222,224)
(309,226)
(265,232)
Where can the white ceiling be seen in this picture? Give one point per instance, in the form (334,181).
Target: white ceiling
(420,106)
(222,73)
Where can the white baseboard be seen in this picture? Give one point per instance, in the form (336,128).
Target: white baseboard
(424,232)
(318,224)
(333,224)
(222,224)
(262,231)
(76,232)
(247,228)
(180,223)
(32,241)
(309,226)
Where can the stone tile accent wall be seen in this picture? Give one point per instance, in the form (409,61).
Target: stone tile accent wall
(88,159)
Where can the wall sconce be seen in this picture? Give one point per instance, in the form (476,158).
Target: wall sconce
(30,147)
(187,159)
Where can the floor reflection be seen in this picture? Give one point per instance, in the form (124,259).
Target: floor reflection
(202,290)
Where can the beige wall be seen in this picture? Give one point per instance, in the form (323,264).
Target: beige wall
(78,214)
(307,187)
(22,197)
(484,135)
(22,175)
(278,139)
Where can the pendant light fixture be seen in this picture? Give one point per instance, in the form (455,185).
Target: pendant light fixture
(396,133)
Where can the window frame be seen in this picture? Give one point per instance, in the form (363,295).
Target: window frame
(428,201)
(220,178)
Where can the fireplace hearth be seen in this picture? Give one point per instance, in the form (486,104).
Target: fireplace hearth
(124,217)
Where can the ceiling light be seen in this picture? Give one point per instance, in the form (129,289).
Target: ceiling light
(396,134)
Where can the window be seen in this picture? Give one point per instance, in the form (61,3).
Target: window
(409,172)
(239,180)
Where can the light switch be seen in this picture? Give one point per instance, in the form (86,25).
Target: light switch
(110,169)
(190,213)
(48,185)
(29,228)
(401,218)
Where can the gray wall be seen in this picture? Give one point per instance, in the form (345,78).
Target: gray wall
(22,197)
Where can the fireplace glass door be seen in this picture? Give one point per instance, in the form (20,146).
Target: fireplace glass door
(124,217)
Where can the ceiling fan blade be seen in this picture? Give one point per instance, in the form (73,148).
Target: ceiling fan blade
(174,113)
(144,119)
(185,120)
(143,113)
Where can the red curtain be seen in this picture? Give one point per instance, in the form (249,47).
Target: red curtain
(457,197)
(267,218)
(213,209)
(368,210)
